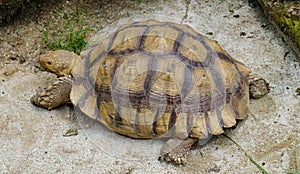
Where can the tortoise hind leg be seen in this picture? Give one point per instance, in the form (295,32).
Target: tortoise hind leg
(258,86)
(54,94)
(176,150)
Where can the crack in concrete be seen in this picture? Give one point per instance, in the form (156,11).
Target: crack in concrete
(188,2)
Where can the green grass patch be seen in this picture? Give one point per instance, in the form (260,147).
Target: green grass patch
(292,172)
(139,1)
(71,40)
(231,7)
(260,168)
(72,35)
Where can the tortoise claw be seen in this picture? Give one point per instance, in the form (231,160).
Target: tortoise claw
(54,94)
(258,86)
(176,150)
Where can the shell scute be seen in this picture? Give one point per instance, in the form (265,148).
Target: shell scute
(152,79)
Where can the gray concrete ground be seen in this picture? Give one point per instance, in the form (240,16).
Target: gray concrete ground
(32,138)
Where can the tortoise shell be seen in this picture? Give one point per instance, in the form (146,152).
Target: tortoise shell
(151,79)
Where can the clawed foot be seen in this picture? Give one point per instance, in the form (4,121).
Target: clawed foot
(176,158)
(258,86)
(54,94)
(176,150)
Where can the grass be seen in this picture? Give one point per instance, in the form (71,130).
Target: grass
(231,6)
(291,172)
(139,1)
(71,40)
(260,168)
(72,36)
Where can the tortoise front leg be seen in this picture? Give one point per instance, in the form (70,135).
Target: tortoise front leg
(176,150)
(54,94)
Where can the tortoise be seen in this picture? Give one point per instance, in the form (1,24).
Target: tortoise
(154,79)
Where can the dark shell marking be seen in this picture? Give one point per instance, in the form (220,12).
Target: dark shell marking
(152,78)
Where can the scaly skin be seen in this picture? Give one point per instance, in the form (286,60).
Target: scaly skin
(176,150)
(59,62)
(54,94)
(57,92)
(258,87)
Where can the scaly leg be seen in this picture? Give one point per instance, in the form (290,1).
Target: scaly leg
(54,94)
(176,150)
(258,86)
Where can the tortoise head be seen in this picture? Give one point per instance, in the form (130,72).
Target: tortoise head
(60,62)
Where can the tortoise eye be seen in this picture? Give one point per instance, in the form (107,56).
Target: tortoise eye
(49,63)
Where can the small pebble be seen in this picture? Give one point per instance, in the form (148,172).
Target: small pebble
(71,132)
(298,91)
(242,34)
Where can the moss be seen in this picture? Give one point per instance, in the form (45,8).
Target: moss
(290,17)
(285,15)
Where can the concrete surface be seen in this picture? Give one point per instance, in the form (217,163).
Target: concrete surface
(32,138)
